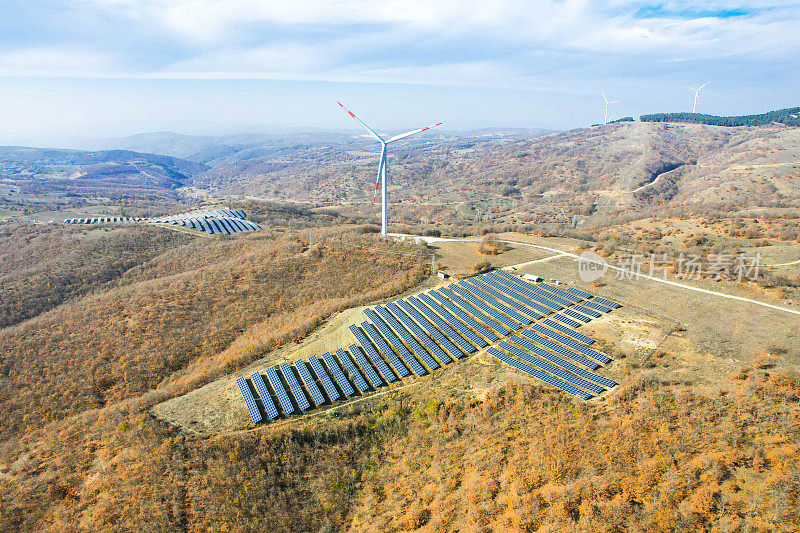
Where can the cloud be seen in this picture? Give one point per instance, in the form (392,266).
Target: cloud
(54,62)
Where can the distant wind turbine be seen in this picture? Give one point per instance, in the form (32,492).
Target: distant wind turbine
(696,94)
(382,172)
(605,109)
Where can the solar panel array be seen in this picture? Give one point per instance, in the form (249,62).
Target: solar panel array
(443,325)
(255,414)
(280,392)
(213,221)
(308,380)
(297,391)
(263,392)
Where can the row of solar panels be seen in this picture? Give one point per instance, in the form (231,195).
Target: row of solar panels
(227,226)
(420,333)
(102,219)
(212,213)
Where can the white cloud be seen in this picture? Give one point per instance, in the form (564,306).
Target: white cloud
(55,61)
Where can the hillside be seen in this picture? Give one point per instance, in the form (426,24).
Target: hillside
(790,117)
(614,171)
(45,178)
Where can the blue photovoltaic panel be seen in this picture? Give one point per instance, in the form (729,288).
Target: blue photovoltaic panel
(437,335)
(483,306)
(308,380)
(563,363)
(607,303)
(574,314)
(373,354)
(499,301)
(539,290)
(294,387)
(452,315)
(352,371)
(280,392)
(586,311)
(585,350)
(453,331)
(596,306)
(249,401)
(392,322)
(423,337)
(561,293)
(327,384)
(566,320)
(578,292)
(548,342)
(562,350)
(536,296)
(515,299)
(552,369)
(372,376)
(476,312)
(558,383)
(337,374)
(568,331)
(384,347)
(387,332)
(266,398)
(528,297)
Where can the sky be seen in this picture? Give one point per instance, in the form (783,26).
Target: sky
(84,69)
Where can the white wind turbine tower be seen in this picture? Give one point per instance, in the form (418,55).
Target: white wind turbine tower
(696,94)
(382,165)
(605,115)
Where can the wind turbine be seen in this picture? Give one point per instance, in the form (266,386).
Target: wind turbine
(605,116)
(382,165)
(696,94)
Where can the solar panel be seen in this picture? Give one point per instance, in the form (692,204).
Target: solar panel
(585,350)
(352,371)
(408,337)
(574,314)
(457,318)
(561,350)
(337,374)
(249,401)
(538,301)
(483,306)
(552,369)
(423,337)
(373,355)
(498,300)
(358,354)
(323,378)
(563,363)
(586,311)
(448,329)
(607,303)
(280,392)
(294,387)
(383,346)
(308,380)
(437,335)
(474,311)
(552,380)
(228,226)
(568,331)
(596,306)
(563,294)
(524,304)
(578,292)
(263,392)
(387,332)
(568,321)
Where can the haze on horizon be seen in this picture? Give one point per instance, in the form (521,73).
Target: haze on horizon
(85,69)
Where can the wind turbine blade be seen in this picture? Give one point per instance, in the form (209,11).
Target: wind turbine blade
(378,137)
(410,133)
(604,96)
(706,83)
(692,88)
